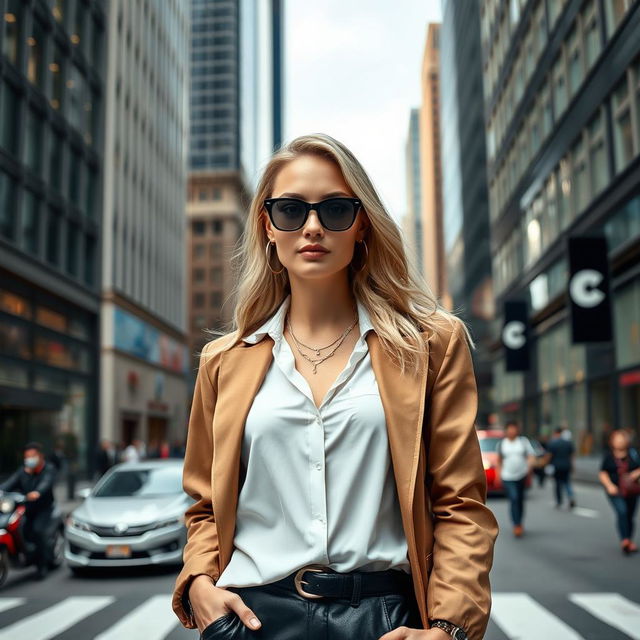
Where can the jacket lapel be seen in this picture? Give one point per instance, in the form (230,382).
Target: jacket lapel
(242,371)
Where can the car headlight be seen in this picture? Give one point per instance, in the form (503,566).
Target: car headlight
(7,505)
(79,524)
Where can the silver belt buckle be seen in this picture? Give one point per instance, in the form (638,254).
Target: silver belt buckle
(298,581)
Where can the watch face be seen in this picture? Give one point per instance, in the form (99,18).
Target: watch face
(460,635)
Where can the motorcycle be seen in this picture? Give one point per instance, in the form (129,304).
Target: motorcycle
(15,550)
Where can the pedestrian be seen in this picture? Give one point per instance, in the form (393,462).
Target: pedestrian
(540,470)
(345,399)
(620,475)
(560,455)
(131,453)
(105,457)
(516,458)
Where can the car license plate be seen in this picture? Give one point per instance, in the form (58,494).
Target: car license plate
(118,551)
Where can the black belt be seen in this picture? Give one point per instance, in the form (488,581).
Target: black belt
(317,581)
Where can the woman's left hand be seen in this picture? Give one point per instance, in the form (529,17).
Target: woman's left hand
(406,633)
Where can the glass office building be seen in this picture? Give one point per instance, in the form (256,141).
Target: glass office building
(51,114)
(562,109)
(464,186)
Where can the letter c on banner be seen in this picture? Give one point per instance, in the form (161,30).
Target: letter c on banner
(513,335)
(583,288)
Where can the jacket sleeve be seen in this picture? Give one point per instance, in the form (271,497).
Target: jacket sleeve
(45,482)
(201,551)
(465,529)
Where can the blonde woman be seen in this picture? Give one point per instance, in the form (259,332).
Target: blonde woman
(331,450)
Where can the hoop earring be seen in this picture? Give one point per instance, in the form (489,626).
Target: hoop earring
(268,254)
(364,263)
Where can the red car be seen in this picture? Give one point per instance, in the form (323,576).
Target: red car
(489,439)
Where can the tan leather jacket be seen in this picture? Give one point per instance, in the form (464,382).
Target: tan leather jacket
(436,461)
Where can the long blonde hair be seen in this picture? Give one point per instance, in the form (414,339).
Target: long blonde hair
(396,296)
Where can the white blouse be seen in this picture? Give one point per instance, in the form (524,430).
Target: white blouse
(318,483)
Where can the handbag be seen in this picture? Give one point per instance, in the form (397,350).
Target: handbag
(628,486)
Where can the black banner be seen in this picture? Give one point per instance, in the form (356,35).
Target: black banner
(515,336)
(588,289)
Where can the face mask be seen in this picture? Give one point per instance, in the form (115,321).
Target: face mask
(31,463)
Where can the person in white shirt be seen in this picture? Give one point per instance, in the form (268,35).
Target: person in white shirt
(516,458)
(316,431)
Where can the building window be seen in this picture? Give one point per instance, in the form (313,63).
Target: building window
(198,251)
(198,228)
(576,71)
(198,275)
(198,300)
(598,167)
(560,97)
(616,10)
(12,28)
(564,193)
(9,107)
(202,194)
(216,275)
(53,236)
(216,227)
(581,191)
(216,299)
(30,222)
(7,206)
(217,193)
(35,55)
(33,143)
(71,252)
(622,131)
(591,33)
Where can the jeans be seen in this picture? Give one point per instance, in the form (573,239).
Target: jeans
(286,615)
(625,509)
(515,493)
(563,481)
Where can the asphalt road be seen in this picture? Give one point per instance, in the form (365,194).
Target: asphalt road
(565,579)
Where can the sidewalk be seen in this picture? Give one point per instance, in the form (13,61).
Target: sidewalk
(587,468)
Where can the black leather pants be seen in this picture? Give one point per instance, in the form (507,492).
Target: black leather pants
(286,615)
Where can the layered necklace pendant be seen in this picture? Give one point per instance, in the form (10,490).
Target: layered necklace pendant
(320,359)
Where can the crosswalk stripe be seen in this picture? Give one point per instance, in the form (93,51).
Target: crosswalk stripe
(10,603)
(56,619)
(152,620)
(585,513)
(521,617)
(613,609)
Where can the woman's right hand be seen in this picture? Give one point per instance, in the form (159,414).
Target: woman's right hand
(210,603)
(613,490)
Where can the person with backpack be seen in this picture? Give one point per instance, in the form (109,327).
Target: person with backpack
(620,476)
(516,457)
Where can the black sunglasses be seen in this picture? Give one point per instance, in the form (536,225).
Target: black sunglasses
(290,214)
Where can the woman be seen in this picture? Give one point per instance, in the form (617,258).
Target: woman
(331,450)
(621,459)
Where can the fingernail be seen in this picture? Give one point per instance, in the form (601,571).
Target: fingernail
(254,622)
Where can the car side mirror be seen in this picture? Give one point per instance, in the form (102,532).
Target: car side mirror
(84,493)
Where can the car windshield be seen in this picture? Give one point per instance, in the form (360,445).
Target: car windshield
(143,483)
(489,444)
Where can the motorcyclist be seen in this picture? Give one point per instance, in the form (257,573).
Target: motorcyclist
(35,480)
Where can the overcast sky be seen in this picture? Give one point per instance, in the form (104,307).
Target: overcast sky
(353,71)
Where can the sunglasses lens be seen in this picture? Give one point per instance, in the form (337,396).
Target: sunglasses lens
(337,214)
(287,214)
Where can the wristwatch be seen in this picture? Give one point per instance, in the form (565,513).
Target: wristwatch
(455,632)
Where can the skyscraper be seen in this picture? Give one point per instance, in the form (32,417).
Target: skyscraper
(52,87)
(236,123)
(464,184)
(144,359)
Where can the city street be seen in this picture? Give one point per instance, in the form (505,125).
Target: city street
(546,585)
